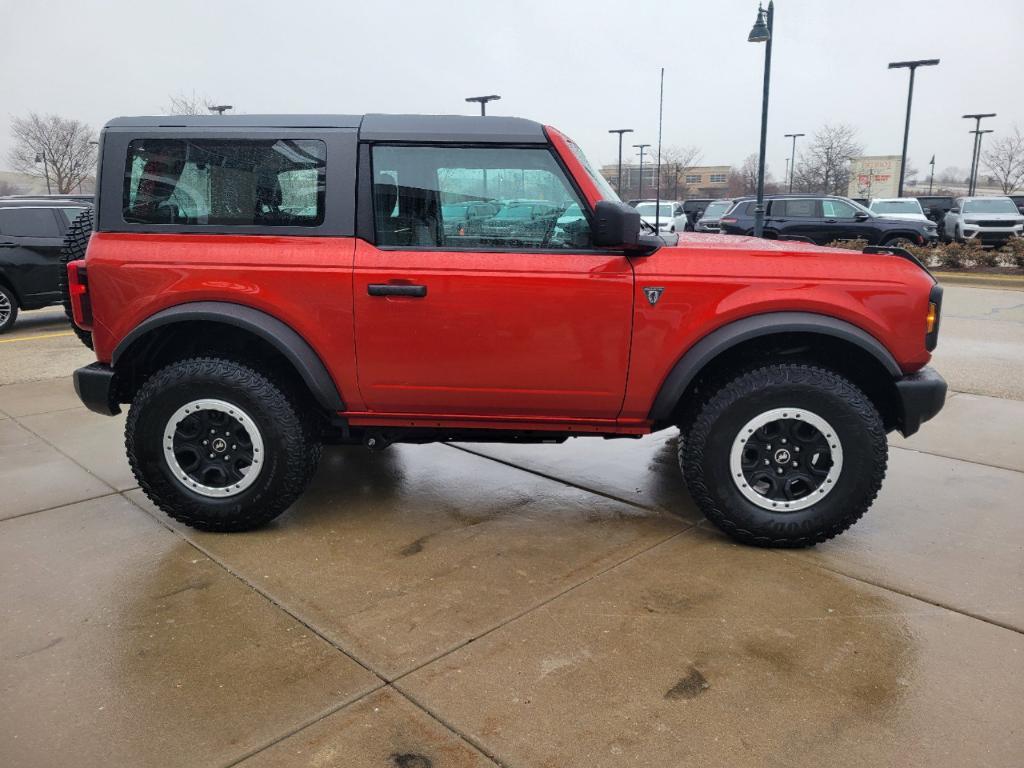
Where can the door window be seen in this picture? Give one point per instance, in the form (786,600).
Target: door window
(837,209)
(795,209)
(475,198)
(28,222)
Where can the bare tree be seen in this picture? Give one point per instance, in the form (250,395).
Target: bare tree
(59,149)
(824,167)
(186,104)
(676,162)
(743,180)
(1005,160)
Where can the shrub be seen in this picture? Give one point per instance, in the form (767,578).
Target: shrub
(850,245)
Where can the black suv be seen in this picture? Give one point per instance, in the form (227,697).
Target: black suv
(31,236)
(694,209)
(936,207)
(823,218)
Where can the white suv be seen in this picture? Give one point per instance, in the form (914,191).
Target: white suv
(989,220)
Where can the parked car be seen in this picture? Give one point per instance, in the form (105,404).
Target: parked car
(1018,200)
(989,220)
(522,219)
(823,219)
(467,218)
(711,220)
(935,207)
(907,208)
(694,209)
(31,235)
(669,216)
(783,365)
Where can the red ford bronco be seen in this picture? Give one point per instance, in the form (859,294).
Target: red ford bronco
(258,285)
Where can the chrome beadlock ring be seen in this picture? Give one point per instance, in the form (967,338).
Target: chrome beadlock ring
(233,448)
(786,459)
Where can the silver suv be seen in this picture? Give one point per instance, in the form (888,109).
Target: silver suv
(989,220)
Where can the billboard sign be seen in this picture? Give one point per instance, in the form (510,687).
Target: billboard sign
(874,176)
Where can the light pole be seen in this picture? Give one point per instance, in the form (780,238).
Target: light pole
(931,176)
(482,100)
(620,131)
(761,32)
(977,118)
(977,159)
(46,168)
(912,66)
(792,157)
(641,147)
(220,109)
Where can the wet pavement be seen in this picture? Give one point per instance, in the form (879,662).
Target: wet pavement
(475,605)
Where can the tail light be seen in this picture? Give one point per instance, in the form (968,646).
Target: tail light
(727,220)
(78,292)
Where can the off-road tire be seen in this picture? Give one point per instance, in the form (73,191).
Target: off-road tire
(704,454)
(76,240)
(10,302)
(291,448)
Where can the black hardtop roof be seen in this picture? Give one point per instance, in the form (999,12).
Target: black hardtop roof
(372,127)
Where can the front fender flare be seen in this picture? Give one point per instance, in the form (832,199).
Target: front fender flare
(720,340)
(284,339)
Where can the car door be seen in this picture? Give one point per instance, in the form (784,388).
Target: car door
(30,243)
(841,223)
(522,323)
(797,217)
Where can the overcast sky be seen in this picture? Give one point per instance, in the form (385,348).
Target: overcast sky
(583,66)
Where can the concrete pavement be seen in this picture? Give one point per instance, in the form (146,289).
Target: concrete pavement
(477,605)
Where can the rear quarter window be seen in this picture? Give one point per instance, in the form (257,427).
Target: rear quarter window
(28,222)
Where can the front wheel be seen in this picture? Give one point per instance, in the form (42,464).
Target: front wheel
(8,308)
(900,242)
(785,456)
(218,446)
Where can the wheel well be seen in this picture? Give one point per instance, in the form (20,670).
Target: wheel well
(9,285)
(205,338)
(843,357)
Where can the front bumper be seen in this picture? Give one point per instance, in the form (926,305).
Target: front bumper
(95,387)
(921,396)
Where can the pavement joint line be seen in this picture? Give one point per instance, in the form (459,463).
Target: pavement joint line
(546,601)
(555,478)
(956,458)
(905,593)
(59,506)
(57,448)
(306,724)
(258,590)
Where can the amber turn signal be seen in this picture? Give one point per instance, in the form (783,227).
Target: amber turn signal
(932,317)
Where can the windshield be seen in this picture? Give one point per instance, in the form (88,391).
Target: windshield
(607,193)
(717,208)
(896,206)
(515,212)
(995,205)
(648,209)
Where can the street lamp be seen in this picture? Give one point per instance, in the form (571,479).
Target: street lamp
(912,66)
(483,102)
(41,158)
(792,156)
(977,118)
(761,32)
(220,109)
(977,158)
(620,131)
(641,147)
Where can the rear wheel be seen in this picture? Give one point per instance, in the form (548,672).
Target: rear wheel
(219,446)
(785,456)
(8,308)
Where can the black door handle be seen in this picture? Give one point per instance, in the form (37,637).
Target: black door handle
(396,289)
(7,244)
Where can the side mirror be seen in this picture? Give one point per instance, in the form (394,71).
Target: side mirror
(861,216)
(953,210)
(616,225)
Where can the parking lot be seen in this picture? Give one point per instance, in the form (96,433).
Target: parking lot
(435,606)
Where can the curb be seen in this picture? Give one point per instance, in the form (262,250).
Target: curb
(1007,282)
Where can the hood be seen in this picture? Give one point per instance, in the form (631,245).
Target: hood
(661,219)
(1014,217)
(903,216)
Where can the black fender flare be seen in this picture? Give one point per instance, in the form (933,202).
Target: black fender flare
(283,338)
(738,331)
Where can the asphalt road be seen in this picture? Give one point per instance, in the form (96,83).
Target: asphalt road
(981,344)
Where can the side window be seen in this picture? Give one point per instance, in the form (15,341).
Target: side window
(795,209)
(837,209)
(473,197)
(254,182)
(28,222)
